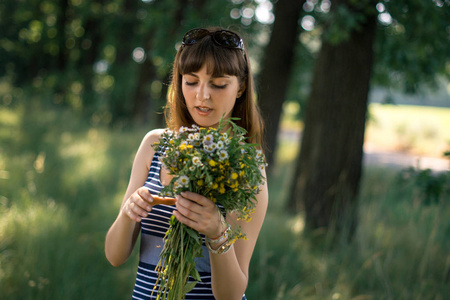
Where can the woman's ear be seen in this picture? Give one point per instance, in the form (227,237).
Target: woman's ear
(241,91)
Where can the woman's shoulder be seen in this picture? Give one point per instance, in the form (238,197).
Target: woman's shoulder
(146,149)
(153,136)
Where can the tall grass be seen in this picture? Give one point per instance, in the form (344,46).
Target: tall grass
(62,182)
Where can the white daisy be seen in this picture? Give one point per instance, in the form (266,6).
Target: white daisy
(196,161)
(223,155)
(259,153)
(208,139)
(183,180)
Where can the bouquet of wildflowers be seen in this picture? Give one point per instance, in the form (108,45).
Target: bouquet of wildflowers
(218,164)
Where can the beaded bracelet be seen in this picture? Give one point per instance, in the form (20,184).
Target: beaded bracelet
(221,238)
(224,248)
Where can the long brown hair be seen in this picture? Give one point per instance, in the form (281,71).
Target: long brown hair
(219,61)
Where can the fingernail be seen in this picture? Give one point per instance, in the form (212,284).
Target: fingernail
(183,194)
(149,207)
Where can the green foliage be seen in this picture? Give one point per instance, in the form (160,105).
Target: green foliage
(344,19)
(62,182)
(428,188)
(81,52)
(413,47)
(399,251)
(411,42)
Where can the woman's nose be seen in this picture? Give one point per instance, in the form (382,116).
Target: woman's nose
(203,93)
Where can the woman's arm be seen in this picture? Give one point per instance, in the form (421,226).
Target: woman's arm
(229,270)
(137,202)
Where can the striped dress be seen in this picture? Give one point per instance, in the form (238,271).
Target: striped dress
(153,229)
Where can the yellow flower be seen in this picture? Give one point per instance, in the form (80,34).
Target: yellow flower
(222,188)
(200,182)
(234,176)
(212,163)
(214,186)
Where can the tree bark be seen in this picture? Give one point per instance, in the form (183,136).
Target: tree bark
(276,68)
(329,166)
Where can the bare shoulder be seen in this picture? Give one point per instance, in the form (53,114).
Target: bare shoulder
(153,136)
(146,151)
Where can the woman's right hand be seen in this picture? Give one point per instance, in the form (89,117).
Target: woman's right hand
(138,205)
(141,202)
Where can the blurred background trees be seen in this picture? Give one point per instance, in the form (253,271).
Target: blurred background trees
(110,61)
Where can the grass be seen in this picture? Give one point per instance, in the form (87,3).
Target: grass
(417,129)
(62,182)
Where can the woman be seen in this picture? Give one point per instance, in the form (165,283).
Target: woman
(211,79)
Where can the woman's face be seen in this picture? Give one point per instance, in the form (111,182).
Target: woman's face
(209,98)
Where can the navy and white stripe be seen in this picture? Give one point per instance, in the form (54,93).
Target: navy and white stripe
(153,229)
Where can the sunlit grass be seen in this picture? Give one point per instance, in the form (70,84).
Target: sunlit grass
(62,182)
(400,250)
(417,129)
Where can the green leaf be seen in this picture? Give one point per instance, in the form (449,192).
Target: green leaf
(194,274)
(189,286)
(193,234)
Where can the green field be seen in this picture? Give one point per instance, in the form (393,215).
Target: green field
(62,182)
(418,129)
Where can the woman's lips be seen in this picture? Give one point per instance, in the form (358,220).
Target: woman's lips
(201,110)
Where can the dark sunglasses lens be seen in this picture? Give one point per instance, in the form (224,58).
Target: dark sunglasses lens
(193,36)
(228,39)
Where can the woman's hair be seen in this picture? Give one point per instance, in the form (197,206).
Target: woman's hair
(219,61)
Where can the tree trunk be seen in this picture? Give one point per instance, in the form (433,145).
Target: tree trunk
(328,169)
(61,26)
(143,103)
(276,70)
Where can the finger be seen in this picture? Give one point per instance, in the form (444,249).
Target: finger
(135,207)
(188,208)
(145,194)
(134,216)
(186,221)
(141,201)
(197,198)
(129,211)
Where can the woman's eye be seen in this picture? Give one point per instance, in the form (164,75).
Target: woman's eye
(217,86)
(190,83)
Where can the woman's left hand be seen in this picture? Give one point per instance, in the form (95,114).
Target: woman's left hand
(199,213)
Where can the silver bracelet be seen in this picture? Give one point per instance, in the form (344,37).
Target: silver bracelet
(224,248)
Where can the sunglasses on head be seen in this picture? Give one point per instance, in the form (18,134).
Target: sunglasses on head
(224,38)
